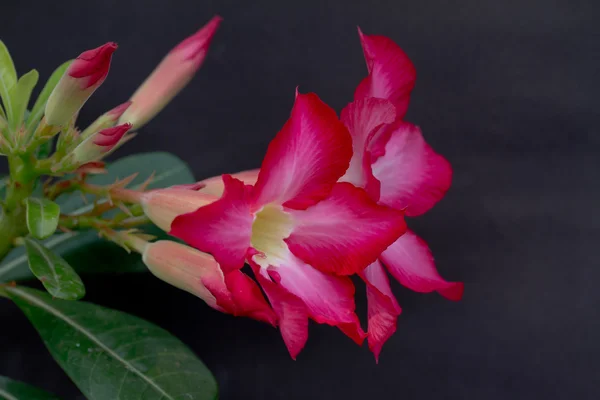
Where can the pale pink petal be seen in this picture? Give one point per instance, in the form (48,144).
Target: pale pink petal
(383,308)
(214,186)
(306,158)
(222,228)
(391,73)
(410,261)
(344,233)
(364,118)
(412,175)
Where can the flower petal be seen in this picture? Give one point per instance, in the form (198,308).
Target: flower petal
(327,299)
(214,186)
(410,261)
(391,73)
(383,307)
(412,174)
(344,233)
(306,158)
(364,118)
(247,298)
(291,312)
(222,228)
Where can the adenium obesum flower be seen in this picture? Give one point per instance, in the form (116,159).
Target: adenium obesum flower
(85,74)
(301,232)
(396,167)
(170,76)
(98,144)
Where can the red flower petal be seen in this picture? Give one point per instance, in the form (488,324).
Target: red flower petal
(344,233)
(391,73)
(290,310)
(91,66)
(412,174)
(410,261)
(364,118)
(327,299)
(306,158)
(222,228)
(383,307)
(247,298)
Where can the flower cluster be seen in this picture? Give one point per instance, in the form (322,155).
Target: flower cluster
(328,202)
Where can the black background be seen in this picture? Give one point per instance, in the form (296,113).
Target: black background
(506,90)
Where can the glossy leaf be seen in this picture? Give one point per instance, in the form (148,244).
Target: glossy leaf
(84,250)
(42,217)
(57,276)
(40,104)
(8,77)
(111,355)
(19,97)
(15,390)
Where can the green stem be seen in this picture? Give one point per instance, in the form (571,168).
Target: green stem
(20,186)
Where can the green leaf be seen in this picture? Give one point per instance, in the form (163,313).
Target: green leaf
(8,77)
(111,355)
(57,276)
(84,250)
(19,97)
(15,390)
(40,104)
(42,217)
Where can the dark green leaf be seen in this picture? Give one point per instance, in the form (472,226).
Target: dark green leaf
(19,97)
(84,250)
(40,104)
(111,355)
(57,276)
(42,217)
(8,77)
(15,390)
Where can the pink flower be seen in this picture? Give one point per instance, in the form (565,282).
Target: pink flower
(106,120)
(199,274)
(170,76)
(299,229)
(80,81)
(397,168)
(395,165)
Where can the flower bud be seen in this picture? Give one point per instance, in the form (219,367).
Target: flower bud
(187,269)
(100,143)
(170,76)
(106,120)
(199,273)
(80,80)
(164,205)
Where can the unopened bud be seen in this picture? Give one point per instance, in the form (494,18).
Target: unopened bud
(170,76)
(79,82)
(187,269)
(96,146)
(106,120)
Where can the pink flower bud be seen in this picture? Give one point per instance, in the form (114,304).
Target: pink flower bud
(164,205)
(100,143)
(170,76)
(106,120)
(79,82)
(187,269)
(199,273)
